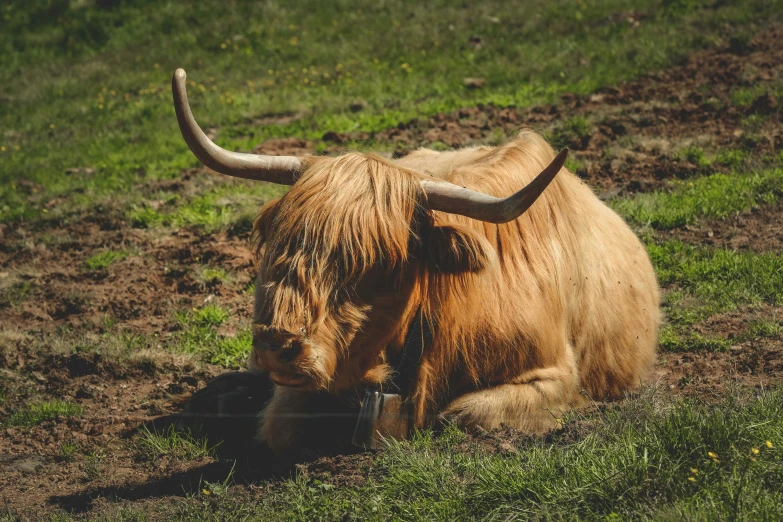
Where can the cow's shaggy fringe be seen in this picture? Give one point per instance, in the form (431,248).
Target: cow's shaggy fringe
(524,314)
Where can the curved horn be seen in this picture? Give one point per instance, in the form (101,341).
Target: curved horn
(277,169)
(447,197)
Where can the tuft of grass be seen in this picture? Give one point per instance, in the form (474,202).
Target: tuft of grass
(13,294)
(672,339)
(765,328)
(151,445)
(210,315)
(199,336)
(696,155)
(105,259)
(731,158)
(572,132)
(208,275)
(715,196)
(68,450)
(35,414)
(93,465)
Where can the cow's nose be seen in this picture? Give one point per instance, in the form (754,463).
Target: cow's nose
(290,352)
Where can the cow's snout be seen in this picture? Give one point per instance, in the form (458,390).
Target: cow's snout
(278,348)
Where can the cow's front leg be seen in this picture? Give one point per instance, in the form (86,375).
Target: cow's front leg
(531,403)
(282,421)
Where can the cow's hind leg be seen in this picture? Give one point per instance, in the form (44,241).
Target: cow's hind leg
(531,403)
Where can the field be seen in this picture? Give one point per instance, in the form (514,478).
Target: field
(126,277)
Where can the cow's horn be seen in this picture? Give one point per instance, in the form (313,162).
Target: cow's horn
(277,169)
(447,197)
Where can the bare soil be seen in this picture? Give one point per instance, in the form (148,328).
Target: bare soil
(635,128)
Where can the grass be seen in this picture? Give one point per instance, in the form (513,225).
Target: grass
(647,458)
(13,294)
(104,259)
(151,445)
(723,278)
(35,414)
(715,196)
(299,68)
(199,336)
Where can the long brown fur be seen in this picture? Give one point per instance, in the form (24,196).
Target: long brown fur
(524,314)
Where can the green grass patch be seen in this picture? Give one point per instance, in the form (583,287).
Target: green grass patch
(105,259)
(210,275)
(674,339)
(231,205)
(715,196)
(199,336)
(723,278)
(701,282)
(87,83)
(35,414)
(151,445)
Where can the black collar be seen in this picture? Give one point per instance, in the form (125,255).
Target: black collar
(418,337)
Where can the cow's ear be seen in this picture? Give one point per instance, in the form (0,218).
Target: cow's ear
(455,249)
(262,225)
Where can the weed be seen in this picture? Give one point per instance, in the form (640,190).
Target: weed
(104,259)
(35,414)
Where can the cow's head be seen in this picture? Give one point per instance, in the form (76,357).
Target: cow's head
(340,252)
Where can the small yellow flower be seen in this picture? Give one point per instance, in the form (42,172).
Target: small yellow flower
(712,455)
(45,211)
(694,471)
(2,149)
(270,72)
(157,65)
(100,106)
(692,479)
(206,491)
(294,40)
(338,67)
(222,46)
(769,444)
(113,92)
(51,125)
(754,451)
(16,147)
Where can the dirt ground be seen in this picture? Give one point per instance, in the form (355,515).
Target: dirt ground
(634,128)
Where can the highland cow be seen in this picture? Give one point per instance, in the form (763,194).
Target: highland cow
(520,302)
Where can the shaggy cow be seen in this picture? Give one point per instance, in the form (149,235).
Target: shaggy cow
(518,307)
